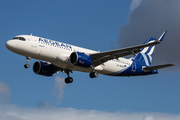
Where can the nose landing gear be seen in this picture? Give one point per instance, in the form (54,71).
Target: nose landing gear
(28,60)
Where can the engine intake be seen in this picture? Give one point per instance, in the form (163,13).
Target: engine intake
(44,68)
(80,59)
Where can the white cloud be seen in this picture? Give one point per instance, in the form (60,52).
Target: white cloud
(149,118)
(134,4)
(4,91)
(10,112)
(58,91)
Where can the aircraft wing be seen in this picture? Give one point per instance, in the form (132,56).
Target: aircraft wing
(102,57)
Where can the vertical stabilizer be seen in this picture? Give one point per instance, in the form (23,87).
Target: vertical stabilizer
(146,54)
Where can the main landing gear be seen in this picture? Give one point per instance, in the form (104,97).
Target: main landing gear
(28,60)
(68,79)
(93,74)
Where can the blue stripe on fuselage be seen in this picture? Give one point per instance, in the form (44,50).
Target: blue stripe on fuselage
(130,71)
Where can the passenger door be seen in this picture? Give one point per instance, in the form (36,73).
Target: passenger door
(33,42)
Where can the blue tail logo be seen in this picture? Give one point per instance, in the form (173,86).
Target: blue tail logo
(146,54)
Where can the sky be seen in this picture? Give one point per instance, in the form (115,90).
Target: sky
(98,25)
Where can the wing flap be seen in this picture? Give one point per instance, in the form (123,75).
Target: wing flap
(115,56)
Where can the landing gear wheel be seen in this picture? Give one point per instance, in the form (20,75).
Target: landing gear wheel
(28,60)
(93,74)
(68,80)
(26,65)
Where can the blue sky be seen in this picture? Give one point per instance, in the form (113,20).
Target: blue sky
(91,24)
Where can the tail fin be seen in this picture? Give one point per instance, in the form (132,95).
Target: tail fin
(146,54)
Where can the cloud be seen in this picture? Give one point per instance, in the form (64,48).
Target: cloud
(11,112)
(58,91)
(134,4)
(4,92)
(43,105)
(150,19)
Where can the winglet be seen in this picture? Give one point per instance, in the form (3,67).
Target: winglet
(162,36)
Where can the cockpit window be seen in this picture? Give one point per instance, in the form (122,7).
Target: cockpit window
(20,38)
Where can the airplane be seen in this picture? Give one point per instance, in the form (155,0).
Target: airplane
(57,56)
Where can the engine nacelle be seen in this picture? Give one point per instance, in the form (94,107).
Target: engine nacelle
(80,59)
(44,68)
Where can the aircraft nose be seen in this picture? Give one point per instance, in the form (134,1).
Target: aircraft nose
(10,44)
(7,44)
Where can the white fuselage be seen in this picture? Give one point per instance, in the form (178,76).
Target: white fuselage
(58,53)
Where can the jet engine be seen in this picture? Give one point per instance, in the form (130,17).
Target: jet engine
(80,59)
(44,68)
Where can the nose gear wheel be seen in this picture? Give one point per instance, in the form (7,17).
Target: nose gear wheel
(28,60)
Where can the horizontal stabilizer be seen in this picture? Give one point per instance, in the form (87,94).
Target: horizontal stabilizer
(157,67)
